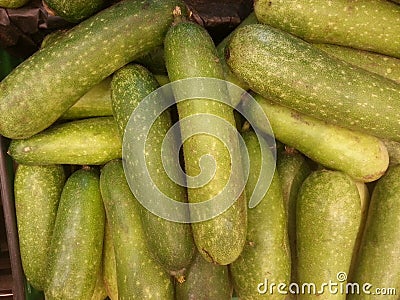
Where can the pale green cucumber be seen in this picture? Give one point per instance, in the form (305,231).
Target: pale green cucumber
(377,260)
(37,191)
(362,156)
(327,220)
(298,75)
(74,259)
(383,65)
(78,60)
(372,25)
(190,52)
(93,141)
(109,265)
(139,276)
(171,242)
(266,254)
(75,11)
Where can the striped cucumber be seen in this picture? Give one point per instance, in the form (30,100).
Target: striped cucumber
(293,73)
(93,141)
(377,260)
(75,11)
(13,3)
(266,255)
(372,25)
(139,276)
(362,156)
(109,265)
(37,192)
(328,219)
(171,242)
(76,246)
(190,52)
(383,65)
(204,281)
(84,56)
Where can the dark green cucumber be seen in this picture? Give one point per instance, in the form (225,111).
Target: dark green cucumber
(109,265)
(383,65)
(93,141)
(13,3)
(266,254)
(328,219)
(37,192)
(204,281)
(76,247)
(362,156)
(139,276)
(393,150)
(95,103)
(369,24)
(377,260)
(190,52)
(171,242)
(75,11)
(84,56)
(293,169)
(295,74)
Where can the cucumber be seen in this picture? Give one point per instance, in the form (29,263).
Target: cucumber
(295,74)
(99,292)
(377,260)
(362,156)
(76,247)
(95,103)
(154,61)
(37,191)
(109,265)
(369,24)
(204,281)
(75,11)
(293,169)
(84,56)
(393,150)
(13,3)
(171,242)
(327,220)
(139,276)
(190,52)
(383,65)
(93,141)
(266,254)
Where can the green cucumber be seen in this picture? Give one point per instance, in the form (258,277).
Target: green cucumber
(37,192)
(93,141)
(362,156)
(383,65)
(171,242)
(139,276)
(327,220)
(84,56)
(76,246)
(393,150)
(109,265)
(266,255)
(190,52)
(99,292)
(75,11)
(293,169)
(377,260)
(298,75)
(154,61)
(95,103)
(372,25)
(204,281)
(13,3)
(161,79)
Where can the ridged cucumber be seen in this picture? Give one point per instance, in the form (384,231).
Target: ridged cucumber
(75,11)
(93,141)
(190,52)
(328,219)
(266,254)
(37,192)
(109,265)
(383,65)
(13,3)
(171,242)
(362,24)
(377,260)
(296,74)
(84,56)
(204,281)
(362,156)
(76,247)
(139,276)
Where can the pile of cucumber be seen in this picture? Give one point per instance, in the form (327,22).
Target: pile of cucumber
(327,76)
